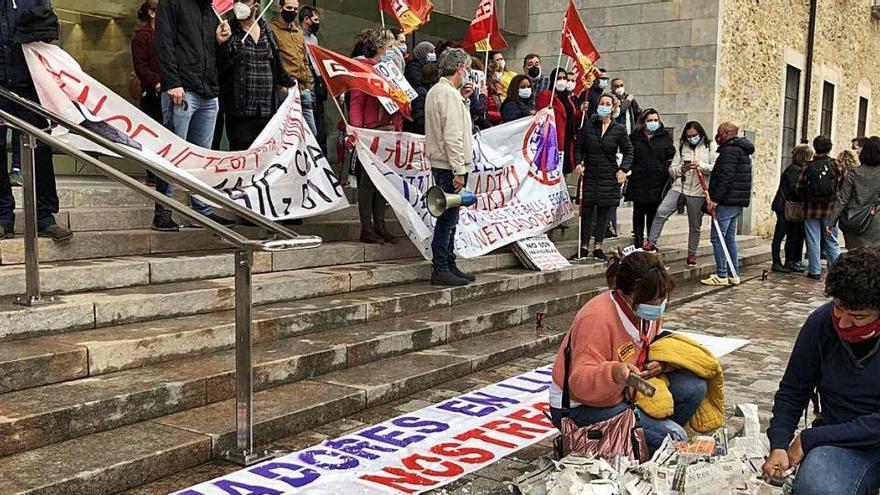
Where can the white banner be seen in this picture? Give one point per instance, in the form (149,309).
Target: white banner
(413,453)
(516,177)
(283,175)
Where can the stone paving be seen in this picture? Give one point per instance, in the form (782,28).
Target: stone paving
(768,312)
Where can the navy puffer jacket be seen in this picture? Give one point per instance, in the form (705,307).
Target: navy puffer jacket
(731,181)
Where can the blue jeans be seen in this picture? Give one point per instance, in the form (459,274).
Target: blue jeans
(727,219)
(308,104)
(443,244)
(688,391)
(815,229)
(194,122)
(829,469)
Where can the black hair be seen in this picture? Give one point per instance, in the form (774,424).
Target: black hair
(860,140)
(693,124)
(641,276)
(852,279)
(430,74)
(143,13)
(306,13)
(870,154)
(513,87)
(822,144)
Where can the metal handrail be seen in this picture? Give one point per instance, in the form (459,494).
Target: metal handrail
(185,182)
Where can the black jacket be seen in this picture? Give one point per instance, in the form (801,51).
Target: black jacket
(731,180)
(516,108)
(598,153)
(650,168)
(14,72)
(787,188)
(629,107)
(417,112)
(413,72)
(593,96)
(186,33)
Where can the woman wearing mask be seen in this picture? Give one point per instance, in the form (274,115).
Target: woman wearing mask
(792,231)
(145,61)
(422,54)
(479,100)
(696,155)
(568,116)
(860,191)
(397,53)
(494,94)
(653,152)
(367,112)
(518,103)
(609,340)
(600,141)
(430,76)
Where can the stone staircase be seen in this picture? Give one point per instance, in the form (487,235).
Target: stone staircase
(129,376)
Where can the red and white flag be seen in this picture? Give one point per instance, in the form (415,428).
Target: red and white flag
(484,35)
(576,43)
(223,6)
(410,14)
(342,74)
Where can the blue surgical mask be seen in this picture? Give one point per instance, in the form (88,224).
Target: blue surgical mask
(388,56)
(652,126)
(651,312)
(695,140)
(525,93)
(603,111)
(402,49)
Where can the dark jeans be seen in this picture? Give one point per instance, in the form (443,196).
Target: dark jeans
(371,203)
(643,216)
(47,194)
(242,131)
(794,235)
(828,469)
(595,227)
(16,149)
(318,110)
(443,245)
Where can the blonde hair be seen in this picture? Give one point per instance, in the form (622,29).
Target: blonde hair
(802,153)
(848,159)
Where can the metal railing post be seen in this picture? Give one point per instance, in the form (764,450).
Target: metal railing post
(244,386)
(31,248)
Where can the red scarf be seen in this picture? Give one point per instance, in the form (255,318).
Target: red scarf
(854,334)
(643,326)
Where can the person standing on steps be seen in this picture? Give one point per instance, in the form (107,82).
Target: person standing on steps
(292,48)
(600,141)
(696,155)
(629,105)
(187,36)
(15,76)
(819,184)
(145,62)
(790,229)
(449,150)
(730,190)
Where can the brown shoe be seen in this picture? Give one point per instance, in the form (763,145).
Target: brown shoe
(383,232)
(55,232)
(368,236)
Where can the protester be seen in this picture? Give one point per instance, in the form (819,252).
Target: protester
(367,112)
(629,106)
(730,190)
(790,229)
(145,62)
(250,59)
(310,21)
(597,89)
(848,160)
(819,184)
(596,151)
(417,107)
(835,364)
(16,77)
(479,103)
(422,54)
(696,155)
(568,117)
(532,68)
(442,46)
(15,171)
(398,48)
(449,149)
(653,152)
(294,57)
(187,36)
(501,75)
(860,193)
(495,97)
(609,340)
(857,143)
(519,102)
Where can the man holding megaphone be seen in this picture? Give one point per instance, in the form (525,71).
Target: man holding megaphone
(449,150)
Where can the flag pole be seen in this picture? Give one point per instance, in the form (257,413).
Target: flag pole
(553,83)
(248,32)
(382,15)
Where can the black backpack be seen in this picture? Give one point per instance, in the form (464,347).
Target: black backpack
(821,181)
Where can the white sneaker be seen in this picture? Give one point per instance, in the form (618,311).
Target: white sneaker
(715,280)
(734,281)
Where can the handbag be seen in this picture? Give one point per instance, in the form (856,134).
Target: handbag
(858,220)
(794,211)
(619,435)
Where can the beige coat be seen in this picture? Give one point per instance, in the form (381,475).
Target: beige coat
(448,141)
(690,184)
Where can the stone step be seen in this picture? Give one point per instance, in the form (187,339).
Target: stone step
(98,219)
(287,409)
(91,192)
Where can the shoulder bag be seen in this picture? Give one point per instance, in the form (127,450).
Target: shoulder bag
(858,220)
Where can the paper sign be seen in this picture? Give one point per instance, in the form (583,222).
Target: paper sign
(390,72)
(540,252)
(478,79)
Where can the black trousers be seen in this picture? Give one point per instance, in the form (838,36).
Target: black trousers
(594,222)
(794,235)
(643,217)
(242,131)
(318,111)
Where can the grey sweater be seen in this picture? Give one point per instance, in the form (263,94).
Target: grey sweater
(860,188)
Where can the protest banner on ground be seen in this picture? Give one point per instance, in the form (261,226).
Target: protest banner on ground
(283,175)
(516,177)
(539,253)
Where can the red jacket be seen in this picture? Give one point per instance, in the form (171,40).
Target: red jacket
(145,58)
(493,105)
(366,111)
(563,126)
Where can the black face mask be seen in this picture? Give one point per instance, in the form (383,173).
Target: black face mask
(315,27)
(534,71)
(288,15)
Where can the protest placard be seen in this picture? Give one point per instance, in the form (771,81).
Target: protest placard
(398,80)
(539,253)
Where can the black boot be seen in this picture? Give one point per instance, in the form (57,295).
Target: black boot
(446,277)
(779,268)
(458,273)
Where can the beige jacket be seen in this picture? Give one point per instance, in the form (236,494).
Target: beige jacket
(689,184)
(448,141)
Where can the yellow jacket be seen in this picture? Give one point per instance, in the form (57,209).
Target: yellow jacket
(685,353)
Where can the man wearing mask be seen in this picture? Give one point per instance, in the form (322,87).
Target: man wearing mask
(503,77)
(188,33)
(292,47)
(14,75)
(449,149)
(629,106)
(599,88)
(310,21)
(533,69)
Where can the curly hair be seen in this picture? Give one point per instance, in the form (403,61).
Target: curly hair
(640,275)
(853,279)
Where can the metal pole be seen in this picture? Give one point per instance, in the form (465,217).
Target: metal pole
(31,249)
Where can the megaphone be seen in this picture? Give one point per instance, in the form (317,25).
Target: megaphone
(440,201)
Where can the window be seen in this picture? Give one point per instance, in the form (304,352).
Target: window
(790,112)
(827,116)
(862,126)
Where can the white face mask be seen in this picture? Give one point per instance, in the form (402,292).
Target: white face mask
(571,85)
(502,64)
(431,57)
(525,93)
(242,11)
(603,83)
(620,91)
(561,85)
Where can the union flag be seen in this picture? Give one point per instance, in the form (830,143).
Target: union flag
(576,43)
(410,14)
(223,6)
(484,35)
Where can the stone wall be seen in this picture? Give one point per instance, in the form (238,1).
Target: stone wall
(758,40)
(665,50)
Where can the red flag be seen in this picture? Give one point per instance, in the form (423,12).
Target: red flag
(223,6)
(410,14)
(483,35)
(342,74)
(576,43)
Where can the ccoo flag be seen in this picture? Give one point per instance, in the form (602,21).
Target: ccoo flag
(410,14)
(483,35)
(223,6)
(576,43)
